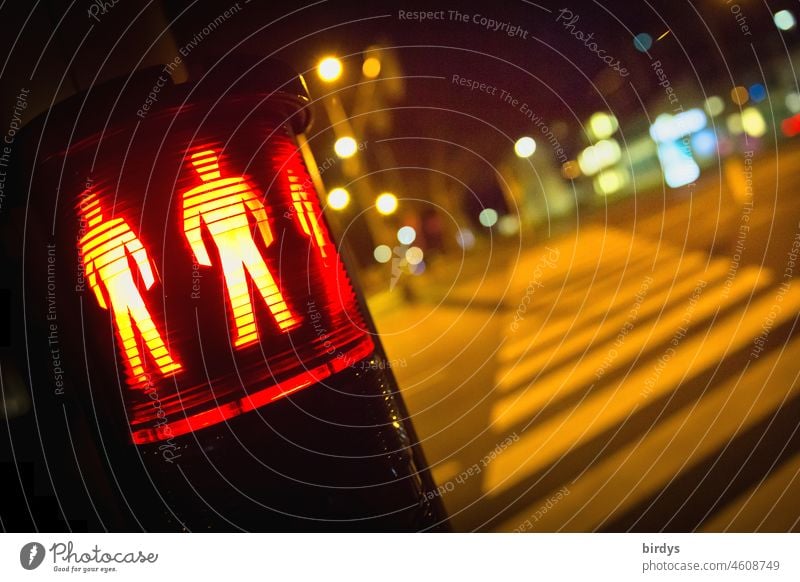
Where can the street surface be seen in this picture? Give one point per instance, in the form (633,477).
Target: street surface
(639,372)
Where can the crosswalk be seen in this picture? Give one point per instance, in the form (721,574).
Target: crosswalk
(632,384)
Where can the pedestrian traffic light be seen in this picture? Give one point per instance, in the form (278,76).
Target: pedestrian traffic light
(224,217)
(207,318)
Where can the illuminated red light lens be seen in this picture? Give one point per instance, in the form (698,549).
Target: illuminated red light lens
(277,313)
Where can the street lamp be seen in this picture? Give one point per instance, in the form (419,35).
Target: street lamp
(329,69)
(386,203)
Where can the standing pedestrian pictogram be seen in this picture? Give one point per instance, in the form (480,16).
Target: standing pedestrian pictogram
(226,206)
(304,207)
(107,249)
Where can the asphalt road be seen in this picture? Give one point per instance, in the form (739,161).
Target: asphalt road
(639,372)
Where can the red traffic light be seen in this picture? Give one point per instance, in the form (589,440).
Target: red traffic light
(240,224)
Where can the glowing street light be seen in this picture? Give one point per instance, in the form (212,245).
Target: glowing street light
(386,203)
(345,147)
(525,147)
(338,198)
(329,69)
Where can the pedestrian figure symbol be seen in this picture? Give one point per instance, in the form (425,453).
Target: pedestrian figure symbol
(106,250)
(226,206)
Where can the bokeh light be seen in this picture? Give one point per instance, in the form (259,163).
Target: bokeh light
(757,92)
(524,147)
(603,125)
(753,122)
(642,42)
(668,127)
(465,238)
(338,198)
(734,124)
(601,155)
(704,143)
(406,235)
(382,253)
(680,169)
(739,95)
(610,181)
(329,69)
(414,255)
(488,217)
(714,105)
(508,225)
(386,203)
(345,147)
(793,102)
(784,20)
(371,67)
(791,127)
(570,169)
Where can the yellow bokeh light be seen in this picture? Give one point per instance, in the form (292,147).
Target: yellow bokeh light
(414,256)
(371,67)
(603,125)
(753,122)
(338,198)
(601,155)
(345,147)
(610,181)
(386,203)
(329,69)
